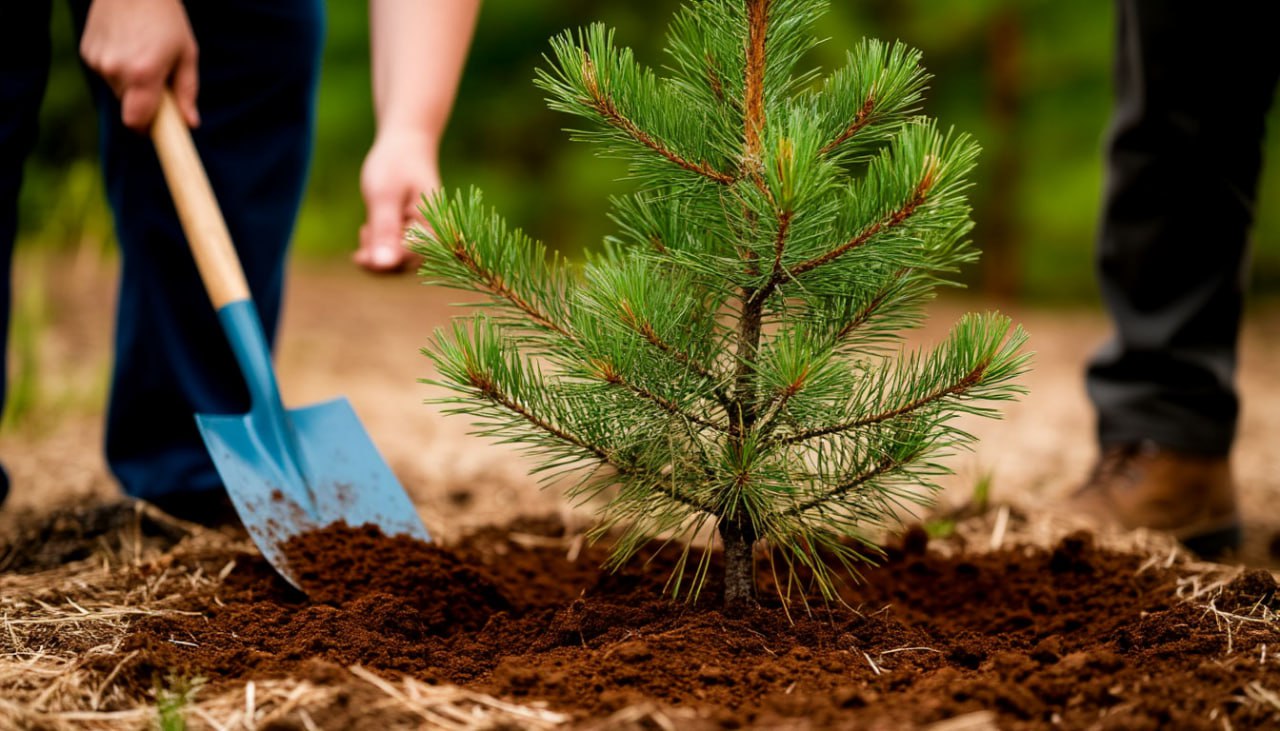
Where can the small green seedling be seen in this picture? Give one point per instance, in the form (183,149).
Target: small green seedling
(732,358)
(172,701)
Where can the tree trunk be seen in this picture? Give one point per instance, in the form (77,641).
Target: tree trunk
(739,565)
(998,236)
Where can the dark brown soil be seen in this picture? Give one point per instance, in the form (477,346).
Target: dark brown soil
(341,565)
(1072,637)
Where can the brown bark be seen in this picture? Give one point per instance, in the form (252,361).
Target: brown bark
(1001,264)
(753,88)
(739,541)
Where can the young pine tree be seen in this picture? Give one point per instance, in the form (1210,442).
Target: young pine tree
(727,360)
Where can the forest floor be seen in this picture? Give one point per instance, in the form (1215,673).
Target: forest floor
(346,333)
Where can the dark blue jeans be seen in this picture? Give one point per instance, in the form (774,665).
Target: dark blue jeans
(259,61)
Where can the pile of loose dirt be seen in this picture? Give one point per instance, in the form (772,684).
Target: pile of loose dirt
(1068,637)
(341,565)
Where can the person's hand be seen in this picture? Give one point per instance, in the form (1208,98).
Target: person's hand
(400,168)
(139,47)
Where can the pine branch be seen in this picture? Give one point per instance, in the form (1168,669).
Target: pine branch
(496,396)
(977,360)
(645,329)
(865,314)
(959,388)
(893,220)
(802,375)
(609,375)
(494,283)
(668,492)
(779,405)
(468,246)
(619,301)
(713,79)
(603,104)
(606,372)
(860,120)
(884,465)
(879,86)
(683,234)
(482,383)
(654,123)
(497,287)
(489,390)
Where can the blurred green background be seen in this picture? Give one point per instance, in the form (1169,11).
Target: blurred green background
(1029,78)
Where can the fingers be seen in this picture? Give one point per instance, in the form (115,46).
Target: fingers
(137,83)
(138,105)
(186,85)
(140,95)
(381,238)
(139,102)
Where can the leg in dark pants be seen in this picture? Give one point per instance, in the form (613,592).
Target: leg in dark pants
(1193,86)
(258,68)
(24,69)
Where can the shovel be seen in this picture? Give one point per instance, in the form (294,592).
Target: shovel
(287,471)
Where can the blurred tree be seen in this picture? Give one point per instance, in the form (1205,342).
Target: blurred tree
(1001,262)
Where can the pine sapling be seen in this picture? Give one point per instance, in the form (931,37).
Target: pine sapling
(732,358)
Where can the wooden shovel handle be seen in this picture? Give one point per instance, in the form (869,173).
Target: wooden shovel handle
(197,208)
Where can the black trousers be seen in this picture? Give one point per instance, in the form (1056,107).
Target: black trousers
(1193,85)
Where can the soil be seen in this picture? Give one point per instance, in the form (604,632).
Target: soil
(341,565)
(1066,637)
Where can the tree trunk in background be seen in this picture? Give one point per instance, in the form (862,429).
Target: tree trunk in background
(998,230)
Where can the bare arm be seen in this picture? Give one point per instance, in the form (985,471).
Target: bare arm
(418,48)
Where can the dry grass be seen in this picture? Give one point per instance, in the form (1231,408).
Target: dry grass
(57,627)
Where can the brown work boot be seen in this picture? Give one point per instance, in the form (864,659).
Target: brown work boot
(1147,486)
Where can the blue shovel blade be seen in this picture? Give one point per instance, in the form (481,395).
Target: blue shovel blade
(338,476)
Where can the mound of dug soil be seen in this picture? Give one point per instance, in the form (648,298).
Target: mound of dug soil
(1068,637)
